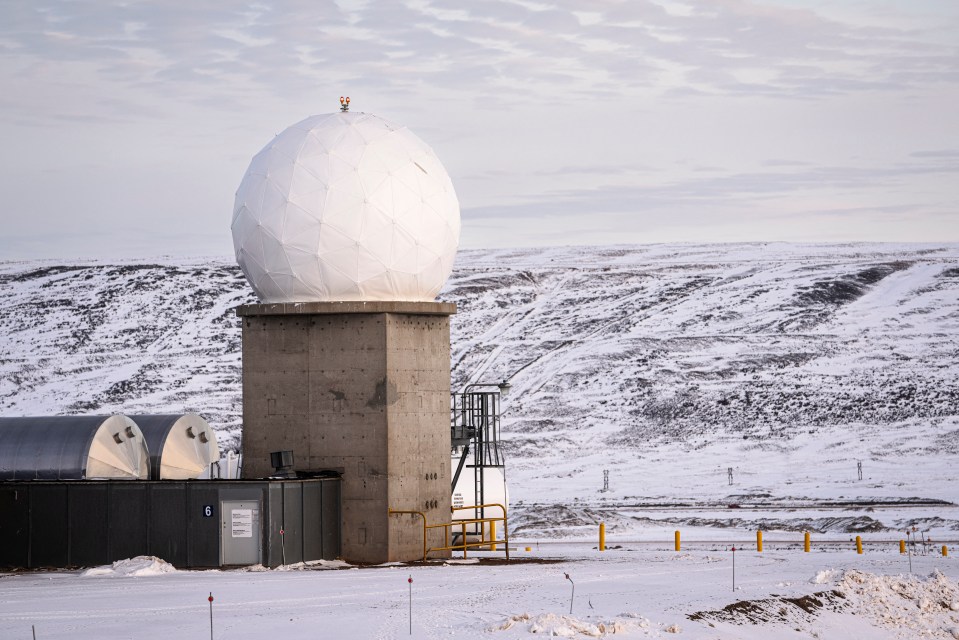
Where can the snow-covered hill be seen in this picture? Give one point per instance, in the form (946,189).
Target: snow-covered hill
(668,365)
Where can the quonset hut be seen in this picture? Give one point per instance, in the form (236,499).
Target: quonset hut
(182,446)
(76,491)
(72,448)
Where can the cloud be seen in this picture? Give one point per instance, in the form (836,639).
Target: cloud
(730,190)
(725,47)
(538,109)
(948,154)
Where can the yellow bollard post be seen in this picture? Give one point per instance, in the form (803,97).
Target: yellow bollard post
(806,545)
(602,536)
(902,546)
(945,550)
(859,544)
(759,541)
(676,536)
(492,535)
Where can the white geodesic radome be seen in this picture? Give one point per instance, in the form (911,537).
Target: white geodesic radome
(346,207)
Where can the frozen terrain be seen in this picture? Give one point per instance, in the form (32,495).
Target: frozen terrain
(623,593)
(722,386)
(725,388)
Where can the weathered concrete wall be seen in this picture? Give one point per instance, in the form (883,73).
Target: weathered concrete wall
(362,388)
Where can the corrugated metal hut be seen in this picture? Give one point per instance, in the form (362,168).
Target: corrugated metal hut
(182,446)
(72,448)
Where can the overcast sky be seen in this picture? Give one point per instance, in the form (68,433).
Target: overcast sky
(127,126)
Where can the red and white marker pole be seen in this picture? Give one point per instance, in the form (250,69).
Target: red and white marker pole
(410,581)
(211,614)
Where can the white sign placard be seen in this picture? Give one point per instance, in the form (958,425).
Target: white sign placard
(242,523)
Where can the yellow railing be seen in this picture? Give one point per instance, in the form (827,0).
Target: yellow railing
(490,543)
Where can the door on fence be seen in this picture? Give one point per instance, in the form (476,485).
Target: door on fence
(240,542)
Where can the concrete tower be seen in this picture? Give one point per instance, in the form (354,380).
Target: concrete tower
(346,226)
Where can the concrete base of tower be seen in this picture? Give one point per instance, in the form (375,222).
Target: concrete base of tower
(361,388)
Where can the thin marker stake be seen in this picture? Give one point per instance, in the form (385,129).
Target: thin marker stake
(734,568)
(211,614)
(410,581)
(909,549)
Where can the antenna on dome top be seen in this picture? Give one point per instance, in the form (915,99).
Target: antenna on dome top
(344,103)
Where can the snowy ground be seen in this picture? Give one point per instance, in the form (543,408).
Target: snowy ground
(636,591)
(667,365)
(808,481)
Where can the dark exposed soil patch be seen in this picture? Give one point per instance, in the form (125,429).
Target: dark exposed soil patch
(839,291)
(43,272)
(775,609)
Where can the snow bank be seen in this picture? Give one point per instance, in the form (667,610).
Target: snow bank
(826,575)
(131,568)
(908,606)
(314,564)
(563,626)
(915,606)
(254,568)
(310,565)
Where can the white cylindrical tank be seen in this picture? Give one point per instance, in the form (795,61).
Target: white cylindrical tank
(182,446)
(495,491)
(72,448)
